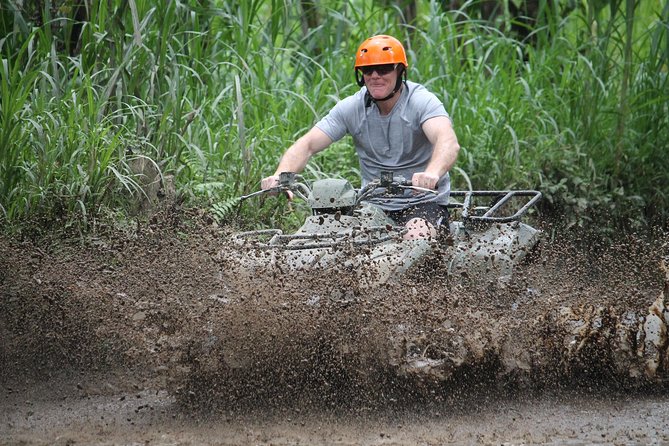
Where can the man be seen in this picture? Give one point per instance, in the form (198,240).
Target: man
(397,126)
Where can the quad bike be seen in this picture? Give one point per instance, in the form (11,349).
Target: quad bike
(486,243)
(345,231)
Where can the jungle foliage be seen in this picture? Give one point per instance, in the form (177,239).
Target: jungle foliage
(107,105)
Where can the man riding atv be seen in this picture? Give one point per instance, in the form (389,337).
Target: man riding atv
(397,126)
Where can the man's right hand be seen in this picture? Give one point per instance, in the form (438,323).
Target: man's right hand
(269,182)
(273,181)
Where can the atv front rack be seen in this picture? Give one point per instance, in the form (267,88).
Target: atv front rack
(279,240)
(501,201)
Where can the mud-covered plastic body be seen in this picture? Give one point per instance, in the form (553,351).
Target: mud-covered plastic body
(346,232)
(490,239)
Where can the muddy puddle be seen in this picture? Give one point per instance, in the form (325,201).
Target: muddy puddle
(146,338)
(152,417)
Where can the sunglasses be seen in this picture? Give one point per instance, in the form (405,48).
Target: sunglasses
(381,70)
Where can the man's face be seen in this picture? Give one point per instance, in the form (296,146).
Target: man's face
(380,80)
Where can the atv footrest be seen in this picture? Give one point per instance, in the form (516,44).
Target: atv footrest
(369,236)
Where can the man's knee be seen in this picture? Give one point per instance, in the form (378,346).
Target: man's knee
(419,228)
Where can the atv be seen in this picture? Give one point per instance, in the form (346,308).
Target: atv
(485,238)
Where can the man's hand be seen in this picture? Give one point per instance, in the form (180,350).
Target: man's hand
(425,180)
(269,182)
(273,181)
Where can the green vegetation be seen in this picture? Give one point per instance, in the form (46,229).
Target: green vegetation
(98,102)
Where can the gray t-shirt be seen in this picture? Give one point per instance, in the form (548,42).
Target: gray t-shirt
(395,142)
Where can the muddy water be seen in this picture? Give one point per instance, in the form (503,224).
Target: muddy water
(147,339)
(148,417)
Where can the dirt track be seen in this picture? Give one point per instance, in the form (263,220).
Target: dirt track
(68,417)
(137,338)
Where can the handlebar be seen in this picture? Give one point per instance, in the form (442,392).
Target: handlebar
(292,182)
(393,186)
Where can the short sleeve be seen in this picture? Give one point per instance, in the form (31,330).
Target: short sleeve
(336,124)
(433,106)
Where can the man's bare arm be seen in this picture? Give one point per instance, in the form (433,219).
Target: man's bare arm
(445,148)
(297,155)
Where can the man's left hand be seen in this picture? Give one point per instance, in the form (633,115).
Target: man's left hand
(425,180)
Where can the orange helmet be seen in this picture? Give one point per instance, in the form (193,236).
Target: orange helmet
(380,50)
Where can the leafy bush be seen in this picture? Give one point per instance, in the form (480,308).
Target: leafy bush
(213,92)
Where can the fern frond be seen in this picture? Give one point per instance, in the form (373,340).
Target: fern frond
(222,210)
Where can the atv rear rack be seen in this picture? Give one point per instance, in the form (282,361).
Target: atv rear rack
(491,213)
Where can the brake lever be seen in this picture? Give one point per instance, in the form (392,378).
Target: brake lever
(298,189)
(277,189)
(416,188)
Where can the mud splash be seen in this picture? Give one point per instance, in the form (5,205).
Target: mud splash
(157,309)
(575,317)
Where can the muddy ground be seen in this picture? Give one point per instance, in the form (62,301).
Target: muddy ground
(143,336)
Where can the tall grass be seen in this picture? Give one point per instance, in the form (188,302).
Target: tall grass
(213,92)
(565,115)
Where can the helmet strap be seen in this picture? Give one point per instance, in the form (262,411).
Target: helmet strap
(358,77)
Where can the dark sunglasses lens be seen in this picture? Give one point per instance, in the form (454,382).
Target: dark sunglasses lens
(385,69)
(380,69)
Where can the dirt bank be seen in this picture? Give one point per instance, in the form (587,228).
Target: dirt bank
(142,336)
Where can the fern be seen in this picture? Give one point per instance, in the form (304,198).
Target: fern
(221,211)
